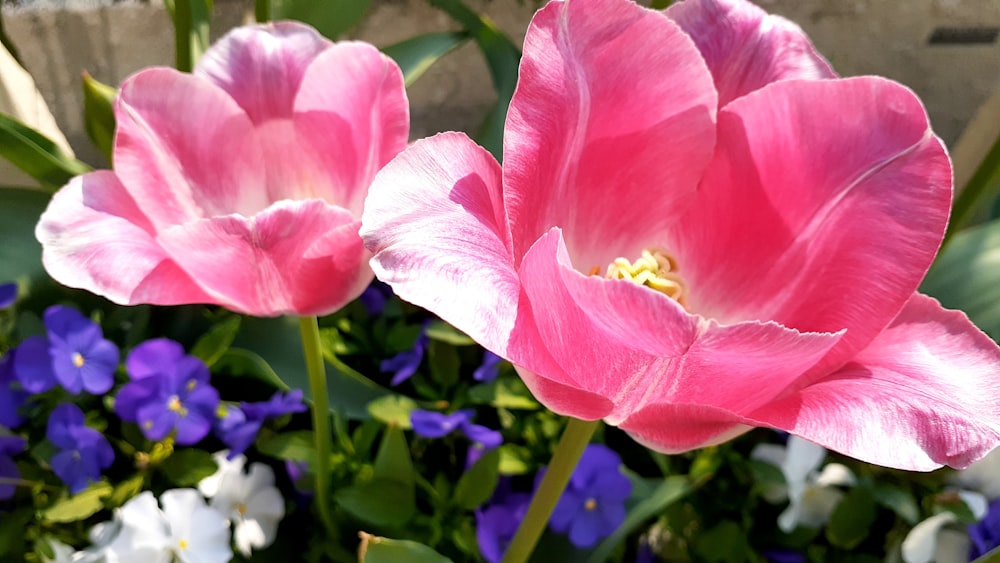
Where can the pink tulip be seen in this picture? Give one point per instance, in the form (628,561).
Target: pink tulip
(776,220)
(239,185)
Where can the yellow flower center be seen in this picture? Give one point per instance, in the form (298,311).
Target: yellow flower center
(182,543)
(77,359)
(175,405)
(655,269)
(242,509)
(591,504)
(191,384)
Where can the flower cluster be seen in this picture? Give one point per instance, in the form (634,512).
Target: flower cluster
(83,452)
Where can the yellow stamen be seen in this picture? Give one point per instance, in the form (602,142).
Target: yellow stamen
(182,543)
(655,269)
(242,509)
(175,405)
(191,384)
(591,504)
(77,359)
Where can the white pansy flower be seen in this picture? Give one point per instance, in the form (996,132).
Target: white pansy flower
(931,541)
(186,529)
(811,495)
(251,501)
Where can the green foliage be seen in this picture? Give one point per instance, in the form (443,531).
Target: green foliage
(79,506)
(725,542)
(417,54)
(852,520)
(332,18)
(384,550)
(37,155)
(185,468)
(393,410)
(98,113)
(477,484)
(214,344)
(20,253)
(389,498)
(191,22)
(504,392)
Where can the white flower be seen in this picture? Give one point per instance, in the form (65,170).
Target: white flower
(811,496)
(251,502)
(100,536)
(931,541)
(186,528)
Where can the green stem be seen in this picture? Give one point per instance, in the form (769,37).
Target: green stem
(183,23)
(309,327)
(262,11)
(574,440)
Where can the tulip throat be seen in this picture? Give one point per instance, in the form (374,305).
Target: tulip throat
(654,269)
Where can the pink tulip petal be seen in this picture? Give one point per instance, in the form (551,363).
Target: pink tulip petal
(295,257)
(677,428)
(745,47)
(95,237)
(182,160)
(824,219)
(922,394)
(434,220)
(352,111)
(262,66)
(610,127)
(565,399)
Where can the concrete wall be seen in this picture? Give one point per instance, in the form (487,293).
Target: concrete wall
(886,37)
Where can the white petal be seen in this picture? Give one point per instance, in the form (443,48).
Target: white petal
(976,502)
(952,546)
(982,476)
(209,486)
(835,474)
(803,458)
(921,543)
(818,504)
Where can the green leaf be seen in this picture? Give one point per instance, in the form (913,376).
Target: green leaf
(444,332)
(393,410)
(415,55)
(20,252)
(389,499)
(444,363)
(185,468)
(966,276)
(37,155)
(514,460)
(502,57)
(376,549)
(851,521)
(80,506)
(898,500)
(98,113)
(667,492)
(476,485)
(125,490)
(296,446)
(725,542)
(191,22)
(214,344)
(504,392)
(12,536)
(329,17)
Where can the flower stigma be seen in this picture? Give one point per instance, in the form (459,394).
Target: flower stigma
(654,269)
(591,504)
(77,359)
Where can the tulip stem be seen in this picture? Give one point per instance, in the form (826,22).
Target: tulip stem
(262,11)
(309,327)
(571,445)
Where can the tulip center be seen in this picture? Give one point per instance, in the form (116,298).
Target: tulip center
(654,269)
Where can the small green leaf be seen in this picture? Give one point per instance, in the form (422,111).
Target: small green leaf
(98,113)
(444,363)
(444,332)
(725,542)
(37,155)
(125,490)
(330,17)
(185,468)
(20,252)
(393,461)
(851,521)
(296,446)
(79,506)
(389,499)
(376,549)
(504,392)
(899,501)
(514,460)
(12,537)
(393,410)
(415,55)
(215,343)
(476,485)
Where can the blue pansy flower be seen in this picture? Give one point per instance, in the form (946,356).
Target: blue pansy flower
(237,426)
(489,369)
(375,297)
(169,392)
(74,354)
(11,395)
(593,504)
(497,522)
(985,534)
(430,424)
(405,364)
(83,452)
(9,447)
(8,294)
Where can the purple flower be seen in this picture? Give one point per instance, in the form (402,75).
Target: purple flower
(8,294)
(405,364)
(9,447)
(84,452)
(784,556)
(593,504)
(238,425)
(489,369)
(11,396)
(74,354)
(169,392)
(375,297)
(497,523)
(985,534)
(430,424)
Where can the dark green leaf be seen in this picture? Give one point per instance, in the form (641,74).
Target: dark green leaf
(185,468)
(98,114)
(329,17)
(215,343)
(79,506)
(966,276)
(898,500)
(444,332)
(12,535)
(389,499)
(191,21)
(375,549)
(415,55)
(37,155)
(725,542)
(476,485)
(444,363)
(20,252)
(851,521)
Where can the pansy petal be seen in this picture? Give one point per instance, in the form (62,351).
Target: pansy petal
(94,237)
(805,201)
(180,169)
(352,112)
(596,142)
(153,357)
(262,66)
(435,221)
(879,400)
(297,257)
(745,47)
(33,365)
